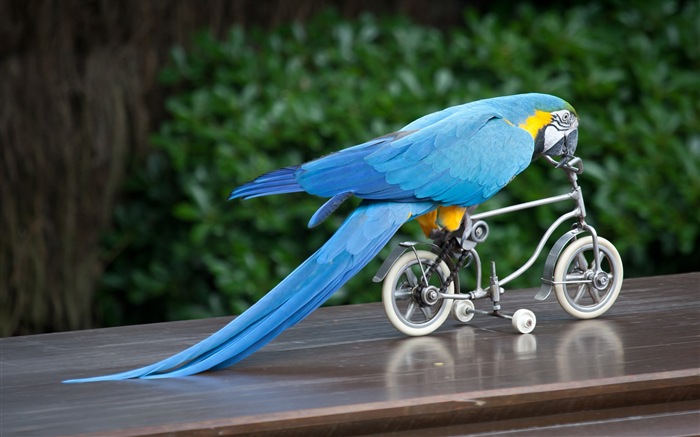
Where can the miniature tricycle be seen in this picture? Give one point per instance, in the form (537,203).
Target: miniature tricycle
(421,287)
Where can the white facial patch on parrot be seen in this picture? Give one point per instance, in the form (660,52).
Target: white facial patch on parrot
(563,122)
(552,135)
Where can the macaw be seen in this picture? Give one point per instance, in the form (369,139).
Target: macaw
(431,170)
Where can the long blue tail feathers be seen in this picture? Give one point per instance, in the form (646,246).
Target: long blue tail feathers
(357,241)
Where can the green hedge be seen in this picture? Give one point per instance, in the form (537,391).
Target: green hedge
(259,100)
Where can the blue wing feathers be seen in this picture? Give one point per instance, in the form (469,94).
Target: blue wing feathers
(412,166)
(415,166)
(280,181)
(327,209)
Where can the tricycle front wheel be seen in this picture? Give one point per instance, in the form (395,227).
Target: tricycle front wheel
(582,291)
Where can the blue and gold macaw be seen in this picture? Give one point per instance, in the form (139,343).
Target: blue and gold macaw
(431,170)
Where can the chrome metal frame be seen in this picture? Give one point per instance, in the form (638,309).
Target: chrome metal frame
(468,241)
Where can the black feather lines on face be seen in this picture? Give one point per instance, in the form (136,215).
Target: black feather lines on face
(563,120)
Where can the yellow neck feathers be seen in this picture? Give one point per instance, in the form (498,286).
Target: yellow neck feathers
(535,122)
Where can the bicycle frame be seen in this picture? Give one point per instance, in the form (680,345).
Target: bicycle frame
(579,212)
(582,286)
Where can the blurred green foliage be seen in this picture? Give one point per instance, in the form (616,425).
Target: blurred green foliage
(260,100)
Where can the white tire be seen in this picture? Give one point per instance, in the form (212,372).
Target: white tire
(463,310)
(524,321)
(579,292)
(401,290)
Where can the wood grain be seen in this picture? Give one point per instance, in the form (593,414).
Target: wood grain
(346,371)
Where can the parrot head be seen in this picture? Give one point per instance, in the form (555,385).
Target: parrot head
(552,122)
(560,136)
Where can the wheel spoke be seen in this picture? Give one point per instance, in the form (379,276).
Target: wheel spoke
(411,277)
(593,292)
(427,312)
(403,292)
(409,311)
(580,292)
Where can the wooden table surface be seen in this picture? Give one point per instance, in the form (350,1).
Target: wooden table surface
(346,371)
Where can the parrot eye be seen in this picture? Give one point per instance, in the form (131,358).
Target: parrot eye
(562,119)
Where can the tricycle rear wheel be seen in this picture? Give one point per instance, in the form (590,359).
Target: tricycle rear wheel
(412,306)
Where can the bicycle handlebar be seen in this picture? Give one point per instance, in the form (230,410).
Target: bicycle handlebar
(569,166)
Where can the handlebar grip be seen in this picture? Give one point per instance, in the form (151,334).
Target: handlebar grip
(569,166)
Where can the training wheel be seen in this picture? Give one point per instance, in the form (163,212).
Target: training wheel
(524,321)
(463,310)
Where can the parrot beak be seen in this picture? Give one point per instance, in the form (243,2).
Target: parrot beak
(565,147)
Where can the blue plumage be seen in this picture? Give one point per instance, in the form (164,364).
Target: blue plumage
(459,156)
(304,290)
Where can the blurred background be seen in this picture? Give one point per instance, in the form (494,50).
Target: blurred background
(124,125)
